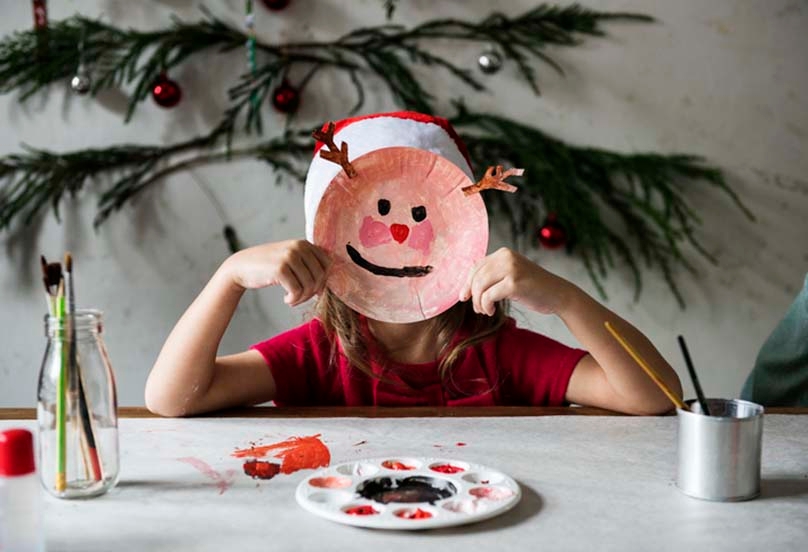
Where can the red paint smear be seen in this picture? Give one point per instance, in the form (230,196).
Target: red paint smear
(361,511)
(258,469)
(491,493)
(396,465)
(330,482)
(222,481)
(297,453)
(460,444)
(414,514)
(447,468)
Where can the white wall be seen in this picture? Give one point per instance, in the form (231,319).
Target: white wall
(726,79)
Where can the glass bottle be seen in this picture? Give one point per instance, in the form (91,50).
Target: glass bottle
(77,409)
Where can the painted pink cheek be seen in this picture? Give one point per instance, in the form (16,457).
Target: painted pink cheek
(373,233)
(421,237)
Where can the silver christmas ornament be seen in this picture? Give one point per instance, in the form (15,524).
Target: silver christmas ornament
(490,61)
(80,83)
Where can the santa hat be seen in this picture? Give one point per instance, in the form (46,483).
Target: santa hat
(368,133)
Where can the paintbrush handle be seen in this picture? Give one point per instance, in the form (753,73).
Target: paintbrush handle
(705,409)
(674,398)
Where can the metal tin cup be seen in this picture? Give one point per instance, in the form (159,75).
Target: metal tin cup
(719,455)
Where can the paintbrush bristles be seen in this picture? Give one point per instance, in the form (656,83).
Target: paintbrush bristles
(68,262)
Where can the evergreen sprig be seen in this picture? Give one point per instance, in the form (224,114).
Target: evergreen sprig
(584,187)
(122,57)
(645,190)
(32,180)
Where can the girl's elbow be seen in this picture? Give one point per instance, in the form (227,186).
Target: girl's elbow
(157,403)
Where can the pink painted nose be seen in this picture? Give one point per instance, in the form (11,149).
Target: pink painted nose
(399,232)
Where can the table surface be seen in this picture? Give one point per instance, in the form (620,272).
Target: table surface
(589,482)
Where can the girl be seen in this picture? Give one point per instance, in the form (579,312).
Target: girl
(368,344)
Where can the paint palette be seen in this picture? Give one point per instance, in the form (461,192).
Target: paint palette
(407,493)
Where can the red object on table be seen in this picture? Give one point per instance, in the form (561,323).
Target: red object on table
(16,453)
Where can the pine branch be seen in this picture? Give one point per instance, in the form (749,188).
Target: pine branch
(389,8)
(117,56)
(123,57)
(32,180)
(646,191)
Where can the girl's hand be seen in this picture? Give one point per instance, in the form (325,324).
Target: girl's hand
(297,265)
(506,274)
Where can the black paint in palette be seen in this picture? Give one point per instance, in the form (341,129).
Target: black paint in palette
(406,490)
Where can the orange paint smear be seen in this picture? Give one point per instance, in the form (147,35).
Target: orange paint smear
(222,480)
(296,453)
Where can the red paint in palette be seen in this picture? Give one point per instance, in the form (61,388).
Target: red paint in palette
(361,511)
(296,453)
(447,468)
(259,469)
(417,513)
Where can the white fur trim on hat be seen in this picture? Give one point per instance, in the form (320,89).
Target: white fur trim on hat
(366,135)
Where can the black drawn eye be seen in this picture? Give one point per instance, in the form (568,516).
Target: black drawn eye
(384,206)
(419,213)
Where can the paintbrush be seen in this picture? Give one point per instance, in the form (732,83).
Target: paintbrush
(61,395)
(674,398)
(51,276)
(74,370)
(696,385)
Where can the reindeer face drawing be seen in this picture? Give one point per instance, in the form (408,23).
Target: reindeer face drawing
(403,232)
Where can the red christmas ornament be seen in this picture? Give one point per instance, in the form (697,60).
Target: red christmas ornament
(166,92)
(276,5)
(286,98)
(551,234)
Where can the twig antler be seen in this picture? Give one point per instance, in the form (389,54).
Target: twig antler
(494,179)
(334,154)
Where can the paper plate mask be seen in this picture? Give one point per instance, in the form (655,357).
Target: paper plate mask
(404,225)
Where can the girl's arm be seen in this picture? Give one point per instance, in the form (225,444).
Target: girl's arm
(608,377)
(188,378)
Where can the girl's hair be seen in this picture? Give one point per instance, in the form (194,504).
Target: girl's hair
(344,327)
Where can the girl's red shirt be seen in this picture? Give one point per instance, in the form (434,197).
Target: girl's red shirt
(514,367)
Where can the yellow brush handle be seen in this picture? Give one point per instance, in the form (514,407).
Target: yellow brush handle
(646,367)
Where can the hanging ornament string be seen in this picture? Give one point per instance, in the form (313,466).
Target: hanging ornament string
(229,233)
(249,23)
(40,10)
(80,83)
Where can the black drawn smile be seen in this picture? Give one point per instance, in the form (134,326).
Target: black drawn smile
(403,272)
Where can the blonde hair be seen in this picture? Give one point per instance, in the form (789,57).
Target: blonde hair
(343,326)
